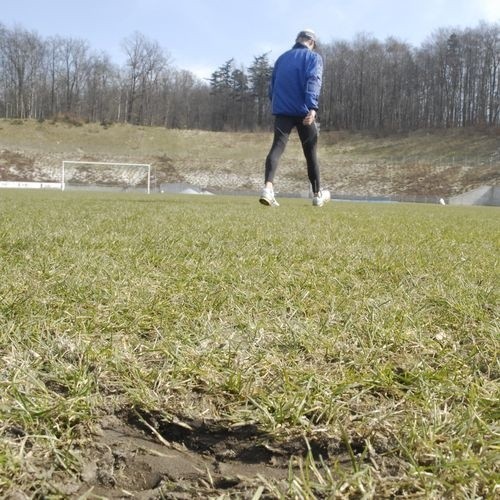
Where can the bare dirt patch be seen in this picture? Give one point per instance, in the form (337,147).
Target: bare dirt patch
(144,455)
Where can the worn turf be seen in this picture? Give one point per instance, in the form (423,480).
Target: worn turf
(179,345)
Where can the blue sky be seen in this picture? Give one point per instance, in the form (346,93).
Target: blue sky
(200,35)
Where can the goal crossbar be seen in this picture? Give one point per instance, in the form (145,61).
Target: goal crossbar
(105,164)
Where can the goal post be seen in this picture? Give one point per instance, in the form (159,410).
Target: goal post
(105,175)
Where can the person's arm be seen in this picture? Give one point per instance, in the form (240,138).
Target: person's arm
(313,85)
(271,83)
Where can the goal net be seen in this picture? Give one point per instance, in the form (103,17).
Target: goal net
(103,176)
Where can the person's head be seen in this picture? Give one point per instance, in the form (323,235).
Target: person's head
(307,37)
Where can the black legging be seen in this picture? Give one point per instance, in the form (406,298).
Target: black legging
(308,134)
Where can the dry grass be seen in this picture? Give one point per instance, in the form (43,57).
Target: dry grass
(369,331)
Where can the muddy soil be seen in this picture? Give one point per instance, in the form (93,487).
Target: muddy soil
(145,456)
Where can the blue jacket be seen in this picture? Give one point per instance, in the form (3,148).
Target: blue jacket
(296,81)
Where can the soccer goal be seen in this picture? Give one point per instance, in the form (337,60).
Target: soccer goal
(106,176)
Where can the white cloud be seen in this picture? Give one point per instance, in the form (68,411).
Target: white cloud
(203,72)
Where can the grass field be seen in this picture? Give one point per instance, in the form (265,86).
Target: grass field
(175,347)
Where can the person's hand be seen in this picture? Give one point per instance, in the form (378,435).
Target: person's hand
(310,117)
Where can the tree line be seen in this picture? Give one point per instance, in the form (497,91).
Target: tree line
(451,80)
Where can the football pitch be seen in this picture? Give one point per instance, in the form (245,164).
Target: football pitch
(160,346)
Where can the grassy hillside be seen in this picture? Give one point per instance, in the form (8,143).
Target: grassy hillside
(421,163)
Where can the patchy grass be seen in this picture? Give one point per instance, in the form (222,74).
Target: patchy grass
(368,331)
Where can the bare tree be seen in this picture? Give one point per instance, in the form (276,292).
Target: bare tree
(146,62)
(74,71)
(22,54)
(101,90)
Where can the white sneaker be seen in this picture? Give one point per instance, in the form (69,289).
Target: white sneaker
(267,198)
(322,198)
